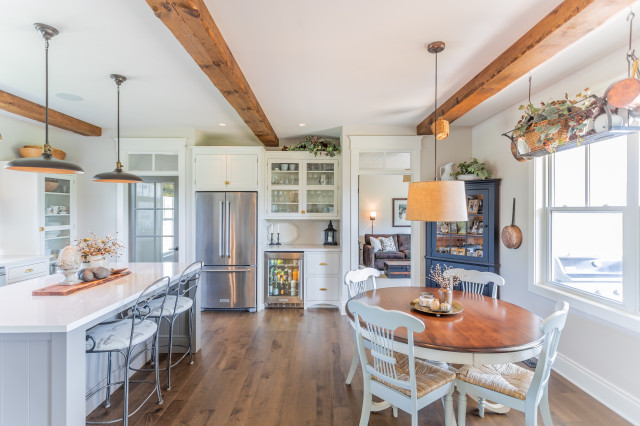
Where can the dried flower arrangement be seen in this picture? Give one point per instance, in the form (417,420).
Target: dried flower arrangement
(437,275)
(555,122)
(315,144)
(96,246)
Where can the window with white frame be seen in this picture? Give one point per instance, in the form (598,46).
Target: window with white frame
(589,231)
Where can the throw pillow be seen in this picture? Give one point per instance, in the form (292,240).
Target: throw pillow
(388,244)
(375,243)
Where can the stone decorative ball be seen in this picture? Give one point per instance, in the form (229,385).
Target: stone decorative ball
(69,258)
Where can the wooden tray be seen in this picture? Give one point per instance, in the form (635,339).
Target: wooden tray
(456,308)
(66,290)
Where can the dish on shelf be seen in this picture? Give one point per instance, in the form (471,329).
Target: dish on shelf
(456,308)
(288,232)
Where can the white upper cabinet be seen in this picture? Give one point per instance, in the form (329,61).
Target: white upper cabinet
(227,172)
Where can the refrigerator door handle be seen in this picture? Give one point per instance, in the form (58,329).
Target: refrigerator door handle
(226,270)
(221,229)
(228,229)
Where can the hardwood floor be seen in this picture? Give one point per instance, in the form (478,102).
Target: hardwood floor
(288,367)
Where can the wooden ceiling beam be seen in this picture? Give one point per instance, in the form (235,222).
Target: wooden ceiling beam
(24,108)
(192,24)
(566,24)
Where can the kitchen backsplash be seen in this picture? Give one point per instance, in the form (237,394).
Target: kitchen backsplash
(309,231)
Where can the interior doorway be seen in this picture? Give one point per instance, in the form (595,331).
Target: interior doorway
(393,160)
(384,234)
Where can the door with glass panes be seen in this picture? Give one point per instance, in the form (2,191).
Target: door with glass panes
(153,220)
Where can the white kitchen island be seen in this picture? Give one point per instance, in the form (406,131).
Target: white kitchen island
(42,343)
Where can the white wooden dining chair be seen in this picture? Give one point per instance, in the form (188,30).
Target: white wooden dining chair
(356,282)
(402,380)
(473,281)
(514,386)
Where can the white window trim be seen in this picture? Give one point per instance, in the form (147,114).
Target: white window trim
(626,315)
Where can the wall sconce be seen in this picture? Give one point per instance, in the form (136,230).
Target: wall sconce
(372,217)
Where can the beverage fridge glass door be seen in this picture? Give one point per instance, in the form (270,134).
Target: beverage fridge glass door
(284,278)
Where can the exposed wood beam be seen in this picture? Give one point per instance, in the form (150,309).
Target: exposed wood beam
(566,24)
(24,108)
(192,24)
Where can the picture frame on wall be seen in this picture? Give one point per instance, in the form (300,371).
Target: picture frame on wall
(399,210)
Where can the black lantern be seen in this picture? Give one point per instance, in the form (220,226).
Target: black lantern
(330,235)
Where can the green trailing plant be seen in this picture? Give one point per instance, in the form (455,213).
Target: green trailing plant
(473,167)
(316,145)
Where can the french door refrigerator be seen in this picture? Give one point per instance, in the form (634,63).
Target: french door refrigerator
(226,224)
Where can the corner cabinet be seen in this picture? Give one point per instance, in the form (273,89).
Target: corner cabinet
(299,188)
(472,244)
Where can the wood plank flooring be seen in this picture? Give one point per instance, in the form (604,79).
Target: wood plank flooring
(288,367)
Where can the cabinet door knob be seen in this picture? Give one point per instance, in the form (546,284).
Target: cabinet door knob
(323,289)
(323,264)
(303,212)
(41,229)
(226,182)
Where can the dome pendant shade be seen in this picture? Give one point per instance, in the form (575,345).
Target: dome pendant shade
(437,201)
(118,175)
(46,163)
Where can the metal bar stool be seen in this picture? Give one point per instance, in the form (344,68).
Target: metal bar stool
(181,299)
(124,337)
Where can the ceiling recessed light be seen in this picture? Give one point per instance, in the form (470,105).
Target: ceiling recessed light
(302,124)
(222,124)
(70,97)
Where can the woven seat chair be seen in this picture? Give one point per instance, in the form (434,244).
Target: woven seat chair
(473,281)
(356,282)
(401,380)
(514,386)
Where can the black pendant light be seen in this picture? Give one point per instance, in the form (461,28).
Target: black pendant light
(46,163)
(118,175)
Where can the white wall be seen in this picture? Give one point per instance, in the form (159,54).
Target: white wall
(376,193)
(593,352)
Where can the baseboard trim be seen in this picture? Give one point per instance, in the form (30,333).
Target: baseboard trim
(622,403)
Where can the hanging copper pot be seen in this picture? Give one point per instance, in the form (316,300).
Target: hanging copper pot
(512,235)
(625,93)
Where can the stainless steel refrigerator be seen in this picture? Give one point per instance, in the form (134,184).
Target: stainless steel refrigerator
(226,225)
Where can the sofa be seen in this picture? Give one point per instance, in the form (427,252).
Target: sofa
(376,260)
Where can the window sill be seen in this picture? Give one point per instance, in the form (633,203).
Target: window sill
(612,314)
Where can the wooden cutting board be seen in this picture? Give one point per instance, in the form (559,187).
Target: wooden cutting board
(66,290)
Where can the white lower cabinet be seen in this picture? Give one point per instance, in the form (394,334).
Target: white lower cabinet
(27,271)
(322,278)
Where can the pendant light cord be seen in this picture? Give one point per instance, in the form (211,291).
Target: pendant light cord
(435,127)
(119,166)
(46,148)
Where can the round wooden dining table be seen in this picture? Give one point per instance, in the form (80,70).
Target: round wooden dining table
(487,331)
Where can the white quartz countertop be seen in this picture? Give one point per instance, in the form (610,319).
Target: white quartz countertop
(301,247)
(20,312)
(9,261)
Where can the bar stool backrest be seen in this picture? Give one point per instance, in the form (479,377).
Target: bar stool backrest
(141,310)
(188,283)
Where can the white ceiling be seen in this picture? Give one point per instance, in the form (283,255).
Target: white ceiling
(325,63)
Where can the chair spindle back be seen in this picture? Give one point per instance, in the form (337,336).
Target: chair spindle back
(356,281)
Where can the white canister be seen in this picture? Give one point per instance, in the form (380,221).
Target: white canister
(284,167)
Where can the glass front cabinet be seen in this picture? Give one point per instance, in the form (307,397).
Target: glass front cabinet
(58,224)
(472,244)
(303,188)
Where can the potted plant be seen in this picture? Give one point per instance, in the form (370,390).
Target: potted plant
(315,144)
(472,170)
(553,123)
